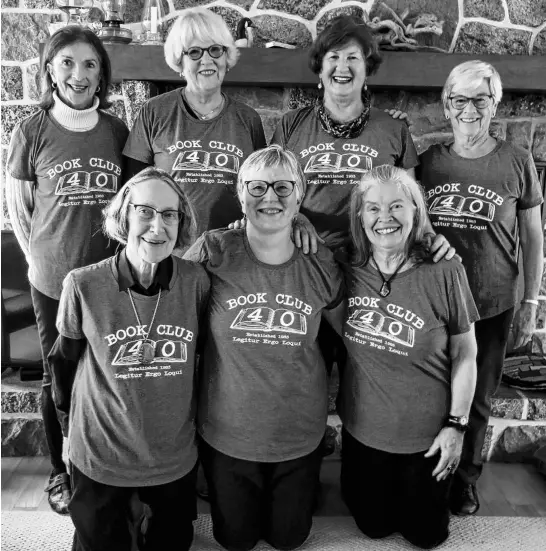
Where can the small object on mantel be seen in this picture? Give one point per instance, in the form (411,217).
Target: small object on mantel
(111,30)
(245,33)
(275,44)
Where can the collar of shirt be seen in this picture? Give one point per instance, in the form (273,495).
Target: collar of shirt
(126,279)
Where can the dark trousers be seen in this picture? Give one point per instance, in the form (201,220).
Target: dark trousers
(252,500)
(331,347)
(389,492)
(45,309)
(101,515)
(492,337)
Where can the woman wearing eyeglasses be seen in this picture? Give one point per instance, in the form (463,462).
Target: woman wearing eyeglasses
(483,195)
(262,405)
(199,135)
(123,372)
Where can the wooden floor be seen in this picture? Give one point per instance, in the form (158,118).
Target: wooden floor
(512,490)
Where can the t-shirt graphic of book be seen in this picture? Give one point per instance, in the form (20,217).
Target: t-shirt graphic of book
(165,351)
(375,323)
(268,319)
(457,205)
(205,160)
(85,182)
(337,162)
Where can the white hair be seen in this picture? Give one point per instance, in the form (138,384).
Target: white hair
(470,75)
(198,24)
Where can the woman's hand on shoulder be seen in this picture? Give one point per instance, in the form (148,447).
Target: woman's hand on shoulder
(238,224)
(305,235)
(449,442)
(440,247)
(400,115)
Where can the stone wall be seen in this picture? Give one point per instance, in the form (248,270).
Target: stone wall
(470,26)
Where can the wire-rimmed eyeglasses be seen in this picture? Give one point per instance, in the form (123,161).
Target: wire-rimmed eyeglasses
(480,102)
(147,213)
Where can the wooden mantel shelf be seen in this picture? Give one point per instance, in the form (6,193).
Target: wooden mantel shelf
(278,68)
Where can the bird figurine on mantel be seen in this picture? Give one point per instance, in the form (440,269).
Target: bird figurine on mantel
(244,38)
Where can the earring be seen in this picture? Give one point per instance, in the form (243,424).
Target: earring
(365,86)
(319,86)
(98,89)
(447,117)
(54,85)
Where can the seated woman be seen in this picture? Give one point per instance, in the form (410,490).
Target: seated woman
(123,371)
(406,390)
(263,390)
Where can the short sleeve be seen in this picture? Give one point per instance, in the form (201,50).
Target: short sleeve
(198,252)
(139,143)
(531,195)
(279,136)
(336,286)
(462,309)
(408,157)
(19,161)
(69,316)
(258,135)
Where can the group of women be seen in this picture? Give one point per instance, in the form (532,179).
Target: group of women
(152,360)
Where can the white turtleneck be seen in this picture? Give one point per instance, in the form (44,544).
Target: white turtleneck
(77,120)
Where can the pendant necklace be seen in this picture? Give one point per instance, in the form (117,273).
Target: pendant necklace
(385,290)
(199,115)
(146,347)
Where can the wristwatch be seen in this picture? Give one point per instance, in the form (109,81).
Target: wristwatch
(459,423)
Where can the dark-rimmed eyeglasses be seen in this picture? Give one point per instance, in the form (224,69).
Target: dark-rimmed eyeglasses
(480,102)
(195,52)
(258,188)
(147,213)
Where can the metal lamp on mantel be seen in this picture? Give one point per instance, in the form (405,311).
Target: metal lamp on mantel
(111,30)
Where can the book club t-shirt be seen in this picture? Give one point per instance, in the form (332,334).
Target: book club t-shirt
(263,389)
(395,391)
(132,423)
(474,203)
(76,174)
(333,166)
(203,156)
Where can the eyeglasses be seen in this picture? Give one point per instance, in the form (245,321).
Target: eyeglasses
(147,213)
(258,188)
(195,52)
(460,102)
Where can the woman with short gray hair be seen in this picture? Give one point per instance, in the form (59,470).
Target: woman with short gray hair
(483,194)
(198,134)
(123,370)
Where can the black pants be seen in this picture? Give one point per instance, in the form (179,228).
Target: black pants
(388,492)
(331,346)
(100,514)
(252,501)
(45,309)
(492,337)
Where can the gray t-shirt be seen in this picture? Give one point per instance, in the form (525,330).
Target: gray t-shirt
(132,424)
(333,166)
(395,391)
(204,157)
(263,389)
(76,174)
(474,203)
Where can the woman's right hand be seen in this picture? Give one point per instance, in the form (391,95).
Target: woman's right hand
(238,224)
(397,114)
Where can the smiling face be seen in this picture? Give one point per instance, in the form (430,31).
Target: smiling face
(269,213)
(343,71)
(471,122)
(151,240)
(76,72)
(204,75)
(387,217)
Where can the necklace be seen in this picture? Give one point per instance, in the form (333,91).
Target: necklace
(145,350)
(199,114)
(385,290)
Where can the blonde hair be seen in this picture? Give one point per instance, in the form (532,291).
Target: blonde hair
(273,156)
(381,175)
(470,75)
(115,223)
(198,24)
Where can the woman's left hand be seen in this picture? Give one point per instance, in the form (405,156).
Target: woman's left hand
(524,324)
(397,114)
(305,235)
(441,248)
(449,443)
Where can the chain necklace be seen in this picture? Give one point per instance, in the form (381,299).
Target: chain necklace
(200,115)
(385,290)
(146,347)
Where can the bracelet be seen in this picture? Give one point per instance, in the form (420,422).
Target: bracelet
(530,301)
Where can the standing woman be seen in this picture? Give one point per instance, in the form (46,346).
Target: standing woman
(198,134)
(262,406)
(64,164)
(484,195)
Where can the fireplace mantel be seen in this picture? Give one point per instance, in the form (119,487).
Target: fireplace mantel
(278,67)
